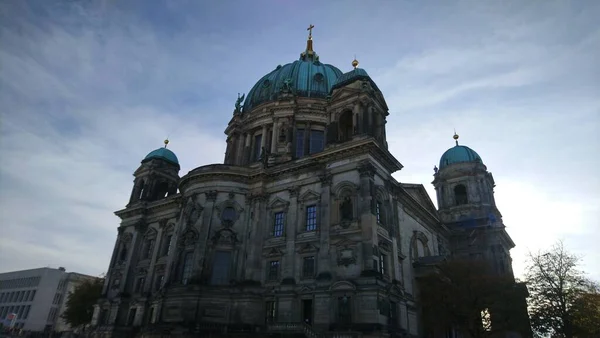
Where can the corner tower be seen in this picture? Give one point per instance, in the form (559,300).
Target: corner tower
(157,177)
(465,195)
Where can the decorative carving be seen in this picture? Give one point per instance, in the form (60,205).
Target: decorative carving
(225,236)
(273,252)
(231,195)
(326,178)
(192,211)
(189,237)
(307,248)
(211,195)
(162,223)
(346,256)
(366,169)
(142,271)
(384,245)
(127,238)
(294,191)
(287,87)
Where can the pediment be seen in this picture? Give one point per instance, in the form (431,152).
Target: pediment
(342,286)
(150,233)
(278,203)
(305,289)
(309,195)
(345,243)
(307,248)
(272,252)
(343,92)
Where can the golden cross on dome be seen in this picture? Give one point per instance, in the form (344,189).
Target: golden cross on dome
(309,29)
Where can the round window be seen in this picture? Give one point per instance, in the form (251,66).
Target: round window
(267,84)
(319,77)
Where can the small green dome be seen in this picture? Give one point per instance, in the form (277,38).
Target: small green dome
(307,77)
(162,154)
(459,154)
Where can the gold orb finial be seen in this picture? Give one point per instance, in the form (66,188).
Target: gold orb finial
(355,63)
(166,142)
(455,137)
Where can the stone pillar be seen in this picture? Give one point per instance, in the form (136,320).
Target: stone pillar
(247,149)
(368,221)
(263,137)
(204,232)
(307,139)
(255,257)
(274,135)
(323,262)
(290,235)
(155,252)
(140,228)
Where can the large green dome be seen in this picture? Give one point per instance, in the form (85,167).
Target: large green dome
(307,77)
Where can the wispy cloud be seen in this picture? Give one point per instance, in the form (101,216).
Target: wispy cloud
(88,88)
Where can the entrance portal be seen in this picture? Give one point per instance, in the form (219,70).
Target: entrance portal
(307,311)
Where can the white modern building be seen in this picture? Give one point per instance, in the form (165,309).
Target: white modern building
(37,297)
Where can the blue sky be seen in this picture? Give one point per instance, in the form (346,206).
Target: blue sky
(88,88)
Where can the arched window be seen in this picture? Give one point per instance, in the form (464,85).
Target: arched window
(346,126)
(162,190)
(460,194)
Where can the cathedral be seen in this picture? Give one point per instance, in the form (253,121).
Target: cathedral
(302,229)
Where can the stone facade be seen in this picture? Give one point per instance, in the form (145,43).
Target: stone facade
(302,223)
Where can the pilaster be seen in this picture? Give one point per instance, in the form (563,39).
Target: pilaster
(204,231)
(290,235)
(323,263)
(367,219)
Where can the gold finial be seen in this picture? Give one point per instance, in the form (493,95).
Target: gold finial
(455,137)
(355,62)
(166,142)
(309,46)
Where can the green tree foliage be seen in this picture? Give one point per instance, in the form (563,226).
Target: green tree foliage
(467,296)
(80,302)
(562,301)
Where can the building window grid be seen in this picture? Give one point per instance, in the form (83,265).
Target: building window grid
(378,212)
(273,270)
(317,141)
(311,218)
(383,264)
(299,143)
(308,267)
(278,224)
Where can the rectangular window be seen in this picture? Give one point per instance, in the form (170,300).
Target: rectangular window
(150,318)
(317,141)
(26,314)
(159,282)
(308,267)
(273,270)
(221,266)
(257,147)
(21,294)
(139,286)
(186,270)
(131,319)
(383,264)
(32,295)
(311,218)
(299,143)
(378,212)
(27,295)
(278,223)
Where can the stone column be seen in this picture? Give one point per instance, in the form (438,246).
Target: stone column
(323,262)
(255,257)
(204,232)
(140,229)
(148,287)
(368,221)
(247,149)
(263,137)
(290,235)
(274,135)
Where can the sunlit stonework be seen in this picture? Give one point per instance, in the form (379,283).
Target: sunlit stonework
(302,227)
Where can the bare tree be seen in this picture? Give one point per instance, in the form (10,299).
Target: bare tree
(555,284)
